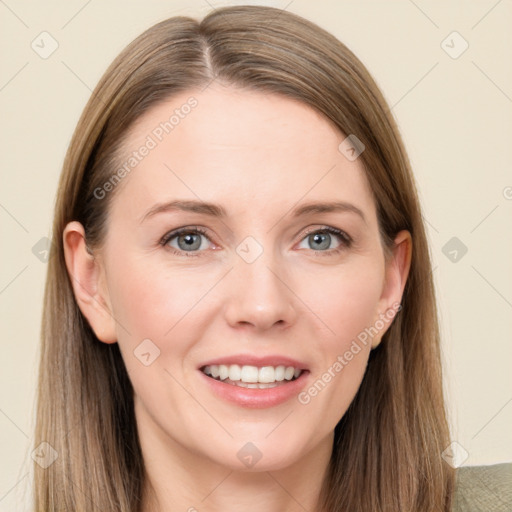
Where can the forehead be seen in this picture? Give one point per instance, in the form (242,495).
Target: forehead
(240,147)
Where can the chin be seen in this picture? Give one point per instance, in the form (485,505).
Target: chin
(257,453)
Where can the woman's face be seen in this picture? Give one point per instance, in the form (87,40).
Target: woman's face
(243,235)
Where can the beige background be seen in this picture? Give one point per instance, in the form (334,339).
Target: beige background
(456,119)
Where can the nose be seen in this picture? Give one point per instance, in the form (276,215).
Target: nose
(259,296)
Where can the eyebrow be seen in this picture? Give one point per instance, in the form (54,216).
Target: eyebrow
(334,206)
(216,210)
(187,206)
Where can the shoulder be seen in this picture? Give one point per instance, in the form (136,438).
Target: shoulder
(483,489)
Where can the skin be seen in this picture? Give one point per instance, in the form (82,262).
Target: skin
(259,157)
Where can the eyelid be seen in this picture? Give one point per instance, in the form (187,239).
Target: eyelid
(183,230)
(346,240)
(329,229)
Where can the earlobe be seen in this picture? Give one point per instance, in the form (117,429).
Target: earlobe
(397,271)
(85,274)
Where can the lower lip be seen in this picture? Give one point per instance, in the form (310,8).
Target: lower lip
(257,398)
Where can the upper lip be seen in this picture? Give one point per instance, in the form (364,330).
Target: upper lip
(253,360)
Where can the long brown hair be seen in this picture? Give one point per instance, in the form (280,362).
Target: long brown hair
(387,447)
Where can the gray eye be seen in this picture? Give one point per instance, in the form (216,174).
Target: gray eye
(319,241)
(189,241)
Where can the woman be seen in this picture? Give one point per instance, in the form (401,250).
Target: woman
(241,301)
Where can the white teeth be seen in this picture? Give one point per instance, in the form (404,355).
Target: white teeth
(266,374)
(241,384)
(223,371)
(288,374)
(235,372)
(249,374)
(252,375)
(266,386)
(279,373)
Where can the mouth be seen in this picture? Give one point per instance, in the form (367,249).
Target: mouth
(253,377)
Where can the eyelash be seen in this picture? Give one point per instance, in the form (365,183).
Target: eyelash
(346,240)
(182,231)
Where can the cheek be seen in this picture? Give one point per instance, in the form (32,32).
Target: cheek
(347,307)
(168,306)
(151,300)
(346,301)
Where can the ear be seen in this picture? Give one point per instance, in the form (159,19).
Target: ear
(87,279)
(397,271)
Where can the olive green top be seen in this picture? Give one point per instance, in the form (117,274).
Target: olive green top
(483,489)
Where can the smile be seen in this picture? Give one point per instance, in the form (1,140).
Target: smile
(255,381)
(252,377)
